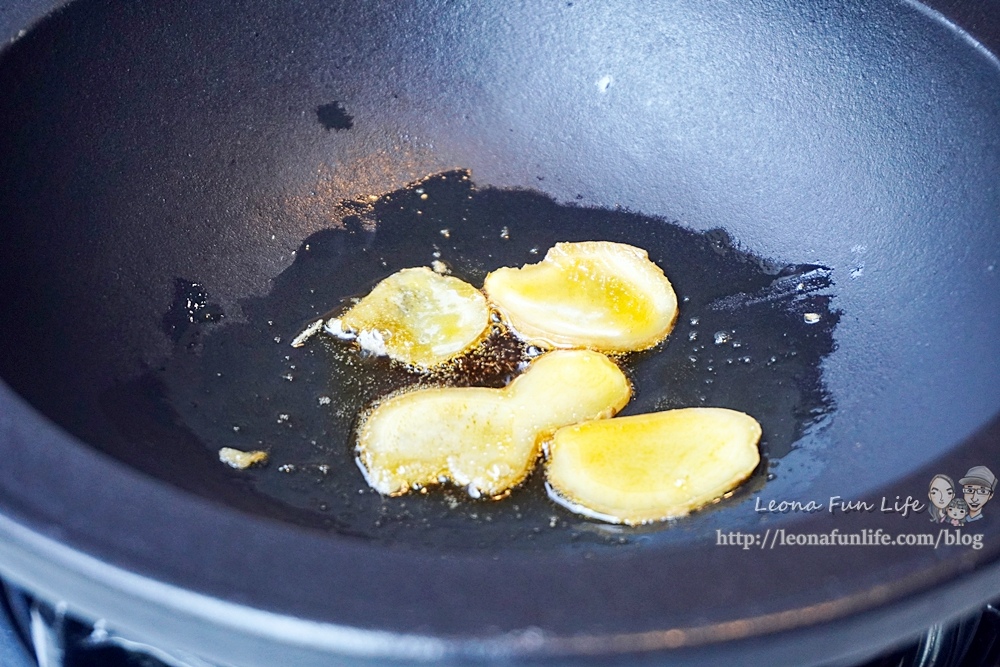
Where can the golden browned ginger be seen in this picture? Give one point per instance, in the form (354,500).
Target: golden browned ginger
(419,317)
(596,294)
(486,440)
(651,467)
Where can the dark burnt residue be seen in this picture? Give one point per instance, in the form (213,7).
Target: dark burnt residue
(334,116)
(742,340)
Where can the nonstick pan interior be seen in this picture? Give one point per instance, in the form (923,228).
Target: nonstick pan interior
(157,155)
(178,149)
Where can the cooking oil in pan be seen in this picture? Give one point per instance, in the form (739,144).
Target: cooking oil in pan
(750,336)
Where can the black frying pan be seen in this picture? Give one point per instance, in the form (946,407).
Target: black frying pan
(164,168)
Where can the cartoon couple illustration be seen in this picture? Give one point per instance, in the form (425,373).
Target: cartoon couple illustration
(977,488)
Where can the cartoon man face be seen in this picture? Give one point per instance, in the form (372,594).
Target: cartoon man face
(976,495)
(977,489)
(941,491)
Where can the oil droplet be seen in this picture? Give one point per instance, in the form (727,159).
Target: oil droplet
(446,233)
(693,335)
(694,321)
(722,337)
(505,233)
(811,318)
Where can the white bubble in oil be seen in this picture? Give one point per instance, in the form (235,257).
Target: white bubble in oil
(722,337)
(694,321)
(693,335)
(812,318)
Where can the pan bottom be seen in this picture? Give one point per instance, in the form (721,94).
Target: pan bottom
(751,335)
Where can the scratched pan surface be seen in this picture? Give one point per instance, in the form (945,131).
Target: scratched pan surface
(185,188)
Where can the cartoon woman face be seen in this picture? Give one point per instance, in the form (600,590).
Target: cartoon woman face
(941,491)
(957,509)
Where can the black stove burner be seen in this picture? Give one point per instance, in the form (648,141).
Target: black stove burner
(36,634)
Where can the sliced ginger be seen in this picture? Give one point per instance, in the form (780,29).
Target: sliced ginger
(651,467)
(596,294)
(419,317)
(486,440)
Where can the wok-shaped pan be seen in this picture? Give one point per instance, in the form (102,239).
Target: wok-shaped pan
(166,165)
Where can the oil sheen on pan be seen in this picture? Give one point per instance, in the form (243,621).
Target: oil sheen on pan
(750,336)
